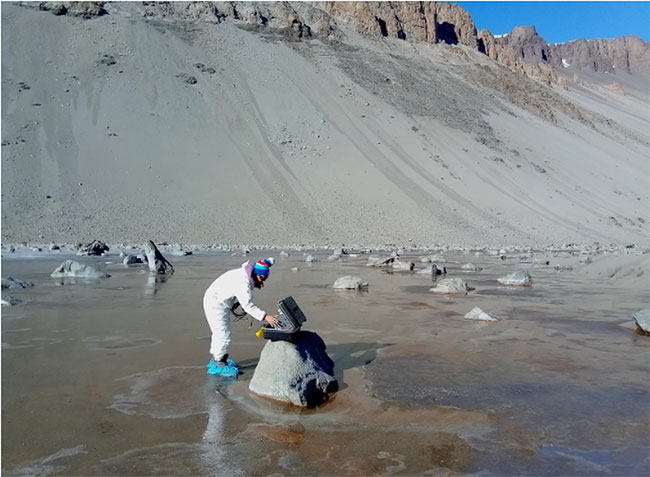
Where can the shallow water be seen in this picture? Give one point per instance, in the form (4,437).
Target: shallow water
(108,376)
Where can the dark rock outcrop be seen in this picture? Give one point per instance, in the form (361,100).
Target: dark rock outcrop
(157,263)
(96,248)
(430,22)
(627,53)
(86,10)
(522,50)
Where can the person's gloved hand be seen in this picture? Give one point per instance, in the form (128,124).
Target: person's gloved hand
(271,320)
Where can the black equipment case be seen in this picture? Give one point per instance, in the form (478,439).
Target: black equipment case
(290,318)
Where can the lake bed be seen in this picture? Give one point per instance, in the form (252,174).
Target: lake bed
(108,376)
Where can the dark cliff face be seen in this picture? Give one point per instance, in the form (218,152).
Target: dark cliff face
(625,54)
(522,50)
(429,22)
(526,44)
(628,53)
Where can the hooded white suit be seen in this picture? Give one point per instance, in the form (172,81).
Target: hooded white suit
(218,300)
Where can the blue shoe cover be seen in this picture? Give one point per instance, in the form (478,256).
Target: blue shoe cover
(227,371)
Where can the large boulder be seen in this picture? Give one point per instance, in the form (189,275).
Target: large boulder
(70,268)
(516,278)
(348,282)
(642,320)
(299,372)
(451,286)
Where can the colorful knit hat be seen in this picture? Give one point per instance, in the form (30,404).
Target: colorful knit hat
(262,266)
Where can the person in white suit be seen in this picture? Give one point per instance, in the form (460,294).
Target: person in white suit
(234,286)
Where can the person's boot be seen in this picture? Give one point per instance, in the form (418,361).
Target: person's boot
(216,363)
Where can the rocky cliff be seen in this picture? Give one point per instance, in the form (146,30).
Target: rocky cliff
(522,50)
(525,51)
(628,53)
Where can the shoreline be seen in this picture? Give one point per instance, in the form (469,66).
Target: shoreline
(50,249)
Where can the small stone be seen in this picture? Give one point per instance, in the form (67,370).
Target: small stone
(451,286)
(470,267)
(10,300)
(70,268)
(516,278)
(349,282)
(479,315)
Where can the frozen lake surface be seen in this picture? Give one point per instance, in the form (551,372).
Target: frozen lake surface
(107,377)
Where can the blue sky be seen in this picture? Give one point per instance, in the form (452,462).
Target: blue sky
(561,21)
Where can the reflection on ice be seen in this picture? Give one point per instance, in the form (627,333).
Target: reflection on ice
(47,465)
(119,342)
(154,283)
(30,343)
(168,393)
(155,460)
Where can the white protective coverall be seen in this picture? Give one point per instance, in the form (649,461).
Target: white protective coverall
(218,300)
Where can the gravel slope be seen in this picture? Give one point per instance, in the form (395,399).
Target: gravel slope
(278,141)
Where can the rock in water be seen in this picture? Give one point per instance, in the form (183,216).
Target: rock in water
(642,320)
(70,268)
(348,282)
(451,286)
(300,373)
(383,262)
(435,271)
(470,267)
(400,266)
(516,278)
(94,248)
(10,282)
(135,259)
(477,314)
(157,263)
(10,301)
